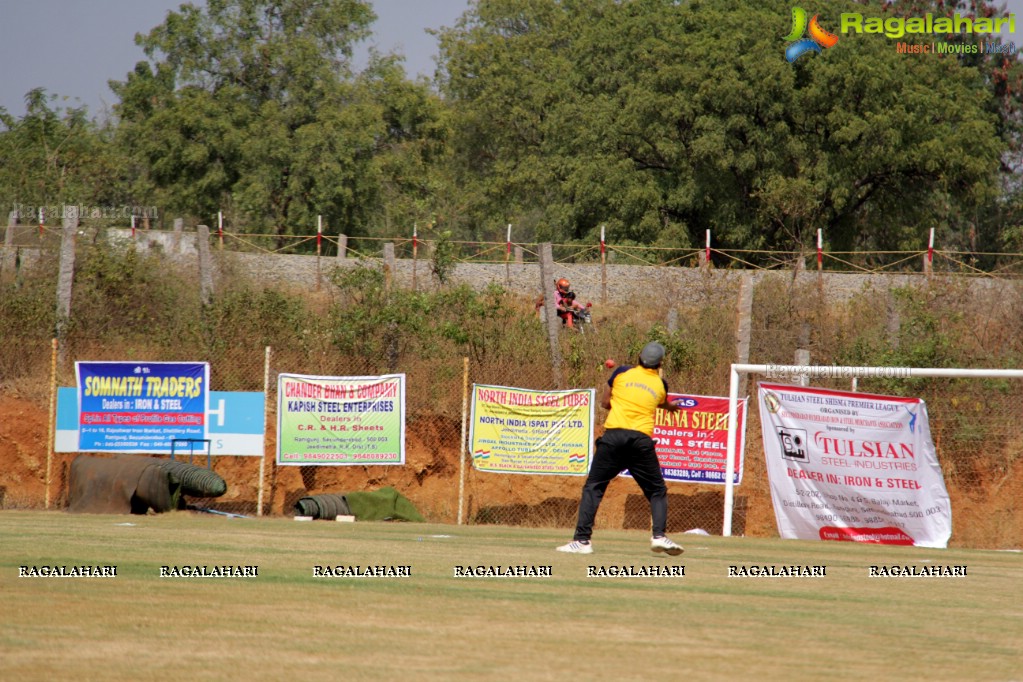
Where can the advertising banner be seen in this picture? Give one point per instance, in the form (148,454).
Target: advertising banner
(692,443)
(140,407)
(853,466)
(520,431)
(234,424)
(340,420)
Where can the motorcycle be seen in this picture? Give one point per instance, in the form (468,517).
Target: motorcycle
(571,317)
(577,317)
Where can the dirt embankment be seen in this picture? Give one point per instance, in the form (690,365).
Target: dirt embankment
(988,515)
(431,478)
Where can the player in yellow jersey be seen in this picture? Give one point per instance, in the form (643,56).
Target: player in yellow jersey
(633,395)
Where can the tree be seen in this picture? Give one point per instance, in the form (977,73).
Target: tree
(993,225)
(54,156)
(253,105)
(662,119)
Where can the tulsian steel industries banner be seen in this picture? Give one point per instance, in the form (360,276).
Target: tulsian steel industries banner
(140,407)
(340,420)
(853,466)
(519,431)
(692,444)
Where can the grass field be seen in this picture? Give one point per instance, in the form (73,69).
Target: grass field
(287,624)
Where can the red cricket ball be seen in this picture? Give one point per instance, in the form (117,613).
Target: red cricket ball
(609,363)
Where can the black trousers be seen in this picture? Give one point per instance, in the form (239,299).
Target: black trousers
(617,450)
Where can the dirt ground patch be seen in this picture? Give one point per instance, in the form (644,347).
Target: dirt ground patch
(23,447)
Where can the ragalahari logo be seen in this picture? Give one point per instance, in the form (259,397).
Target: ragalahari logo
(819,38)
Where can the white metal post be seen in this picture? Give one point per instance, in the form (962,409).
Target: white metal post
(733,417)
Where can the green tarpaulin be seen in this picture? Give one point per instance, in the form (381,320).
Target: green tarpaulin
(385,504)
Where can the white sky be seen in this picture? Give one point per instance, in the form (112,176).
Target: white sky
(73,47)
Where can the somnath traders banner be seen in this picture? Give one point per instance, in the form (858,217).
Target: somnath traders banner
(853,466)
(340,420)
(140,407)
(692,444)
(520,431)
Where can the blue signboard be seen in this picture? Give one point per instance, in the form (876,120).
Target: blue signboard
(140,406)
(235,423)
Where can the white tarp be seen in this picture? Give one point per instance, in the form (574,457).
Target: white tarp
(853,466)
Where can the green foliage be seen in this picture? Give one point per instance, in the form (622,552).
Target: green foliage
(132,305)
(680,352)
(479,323)
(22,311)
(645,116)
(121,294)
(923,337)
(390,328)
(54,156)
(252,106)
(926,336)
(411,163)
(558,117)
(377,323)
(445,254)
(246,317)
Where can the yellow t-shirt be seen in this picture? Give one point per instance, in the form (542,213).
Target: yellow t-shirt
(635,394)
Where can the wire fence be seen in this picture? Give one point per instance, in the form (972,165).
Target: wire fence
(976,426)
(926,260)
(438,475)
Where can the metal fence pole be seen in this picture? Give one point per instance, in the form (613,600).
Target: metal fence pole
(51,432)
(266,426)
(461,452)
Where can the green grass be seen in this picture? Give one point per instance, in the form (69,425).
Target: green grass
(287,624)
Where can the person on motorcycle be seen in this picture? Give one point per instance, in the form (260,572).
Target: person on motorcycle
(564,300)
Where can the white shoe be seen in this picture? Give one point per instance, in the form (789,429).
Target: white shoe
(664,544)
(576,547)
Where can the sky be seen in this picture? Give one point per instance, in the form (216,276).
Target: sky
(72,48)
